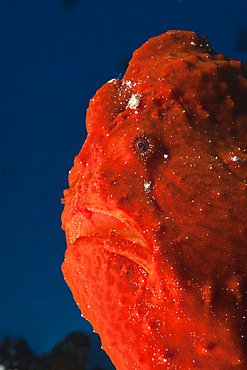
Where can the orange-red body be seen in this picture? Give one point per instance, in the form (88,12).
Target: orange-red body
(155,216)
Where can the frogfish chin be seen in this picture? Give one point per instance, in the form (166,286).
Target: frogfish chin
(156,210)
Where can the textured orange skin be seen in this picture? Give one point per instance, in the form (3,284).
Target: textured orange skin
(157,256)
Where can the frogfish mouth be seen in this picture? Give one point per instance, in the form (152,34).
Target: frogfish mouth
(155,214)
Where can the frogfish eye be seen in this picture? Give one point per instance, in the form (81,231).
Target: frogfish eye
(141,145)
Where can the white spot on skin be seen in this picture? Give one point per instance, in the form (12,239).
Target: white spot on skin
(133,102)
(234,159)
(113,79)
(147,186)
(128,83)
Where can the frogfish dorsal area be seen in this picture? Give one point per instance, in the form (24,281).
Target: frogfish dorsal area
(156,210)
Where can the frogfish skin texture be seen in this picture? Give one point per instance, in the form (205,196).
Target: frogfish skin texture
(155,215)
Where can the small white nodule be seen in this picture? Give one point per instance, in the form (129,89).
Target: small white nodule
(133,102)
(147,186)
(235,158)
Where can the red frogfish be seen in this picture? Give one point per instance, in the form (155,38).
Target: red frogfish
(155,215)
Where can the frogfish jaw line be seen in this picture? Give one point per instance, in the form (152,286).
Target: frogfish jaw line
(113,231)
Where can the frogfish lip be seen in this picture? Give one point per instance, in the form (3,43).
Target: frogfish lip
(97,230)
(113,232)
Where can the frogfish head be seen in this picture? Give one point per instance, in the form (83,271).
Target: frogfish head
(155,216)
